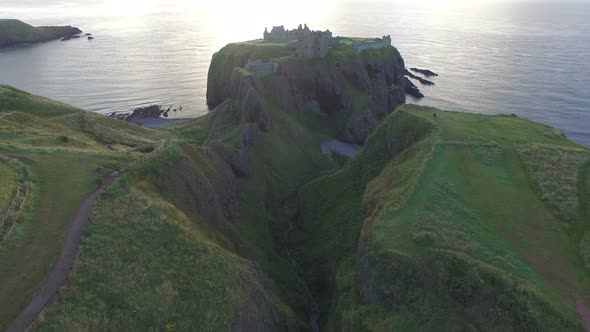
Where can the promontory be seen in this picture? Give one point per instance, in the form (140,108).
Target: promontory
(15,32)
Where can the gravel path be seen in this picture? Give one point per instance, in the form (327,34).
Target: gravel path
(49,288)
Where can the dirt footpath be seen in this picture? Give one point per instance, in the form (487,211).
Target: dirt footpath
(49,288)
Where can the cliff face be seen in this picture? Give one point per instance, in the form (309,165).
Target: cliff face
(361,89)
(15,32)
(236,56)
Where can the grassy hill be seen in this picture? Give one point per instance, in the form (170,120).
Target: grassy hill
(51,157)
(14,32)
(236,221)
(464,222)
(164,217)
(438,224)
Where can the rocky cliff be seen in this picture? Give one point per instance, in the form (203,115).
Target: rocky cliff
(357,90)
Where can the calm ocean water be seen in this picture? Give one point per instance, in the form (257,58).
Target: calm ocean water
(527,59)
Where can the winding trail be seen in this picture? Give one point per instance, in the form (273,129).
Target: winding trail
(48,289)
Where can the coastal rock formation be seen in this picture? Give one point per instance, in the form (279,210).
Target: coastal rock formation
(422,81)
(248,100)
(364,88)
(411,89)
(146,116)
(15,32)
(425,72)
(140,113)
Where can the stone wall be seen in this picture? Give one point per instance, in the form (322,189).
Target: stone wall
(314,45)
(262,69)
(378,43)
(280,34)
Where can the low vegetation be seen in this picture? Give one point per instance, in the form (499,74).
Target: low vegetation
(452,231)
(14,195)
(51,157)
(556,171)
(237,221)
(9,184)
(138,241)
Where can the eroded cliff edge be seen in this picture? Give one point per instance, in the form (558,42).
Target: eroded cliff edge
(355,90)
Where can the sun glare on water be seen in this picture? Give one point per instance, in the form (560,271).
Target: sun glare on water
(234,20)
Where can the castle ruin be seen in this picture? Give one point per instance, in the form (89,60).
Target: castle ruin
(377,43)
(307,43)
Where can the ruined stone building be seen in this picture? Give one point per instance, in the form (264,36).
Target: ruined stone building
(377,43)
(307,43)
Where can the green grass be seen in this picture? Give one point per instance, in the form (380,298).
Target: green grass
(32,122)
(555,172)
(8,184)
(454,232)
(348,40)
(12,99)
(56,153)
(15,179)
(137,242)
(454,222)
(194,131)
(148,225)
(61,183)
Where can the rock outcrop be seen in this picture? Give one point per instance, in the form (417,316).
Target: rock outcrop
(412,89)
(425,72)
(422,81)
(15,32)
(140,113)
(205,185)
(362,88)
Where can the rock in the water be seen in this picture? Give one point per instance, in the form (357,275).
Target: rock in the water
(412,89)
(425,72)
(141,113)
(418,78)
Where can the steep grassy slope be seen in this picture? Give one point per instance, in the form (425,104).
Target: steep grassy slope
(53,155)
(456,231)
(192,201)
(14,32)
(148,263)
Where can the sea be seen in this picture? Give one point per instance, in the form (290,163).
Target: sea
(530,58)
